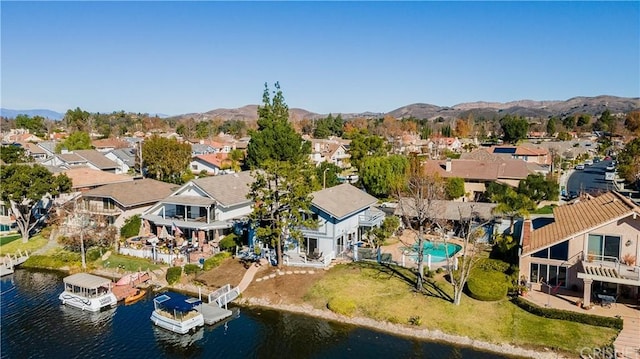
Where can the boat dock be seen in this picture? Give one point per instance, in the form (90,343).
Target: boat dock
(131,287)
(212,313)
(8,263)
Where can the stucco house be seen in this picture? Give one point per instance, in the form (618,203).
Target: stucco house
(344,213)
(591,246)
(211,163)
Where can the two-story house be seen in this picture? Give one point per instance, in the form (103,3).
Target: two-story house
(344,213)
(591,246)
(119,201)
(204,208)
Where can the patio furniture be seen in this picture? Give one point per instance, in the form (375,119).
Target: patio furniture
(607,300)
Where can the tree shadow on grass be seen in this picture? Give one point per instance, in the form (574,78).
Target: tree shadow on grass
(388,271)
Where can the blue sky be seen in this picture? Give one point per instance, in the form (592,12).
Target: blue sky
(177,57)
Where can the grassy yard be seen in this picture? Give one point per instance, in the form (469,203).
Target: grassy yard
(13,246)
(128,263)
(8,239)
(384,293)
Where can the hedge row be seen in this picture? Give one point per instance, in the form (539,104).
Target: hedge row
(215,260)
(615,323)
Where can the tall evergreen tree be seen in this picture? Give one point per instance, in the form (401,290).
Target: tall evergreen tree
(275,139)
(280,160)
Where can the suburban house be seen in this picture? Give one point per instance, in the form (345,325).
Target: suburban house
(204,208)
(478,173)
(537,155)
(36,152)
(591,246)
(125,158)
(331,151)
(203,149)
(108,144)
(119,201)
(344,213)
(90,158)
(211,163)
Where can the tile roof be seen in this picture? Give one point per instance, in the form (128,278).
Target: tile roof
(579,217)
(227,189)
(84,177)
(342,200)
(479,170)
(110,143)
(216,159)
(133,193)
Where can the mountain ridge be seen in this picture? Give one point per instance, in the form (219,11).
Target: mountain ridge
(526,107)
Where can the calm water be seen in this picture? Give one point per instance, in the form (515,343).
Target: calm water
(36,325)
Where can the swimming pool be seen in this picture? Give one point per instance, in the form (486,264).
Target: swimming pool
(437,250)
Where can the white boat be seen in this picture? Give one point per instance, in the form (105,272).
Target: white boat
(177,313)
(88,292)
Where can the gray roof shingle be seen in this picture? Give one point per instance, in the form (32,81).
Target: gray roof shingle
(342,200)
(227,189)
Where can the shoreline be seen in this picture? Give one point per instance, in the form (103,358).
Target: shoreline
(397,329)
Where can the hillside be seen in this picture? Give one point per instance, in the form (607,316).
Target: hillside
(527,108)
(481,109)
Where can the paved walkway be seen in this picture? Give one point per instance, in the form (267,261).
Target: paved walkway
(627,344)
(249,274)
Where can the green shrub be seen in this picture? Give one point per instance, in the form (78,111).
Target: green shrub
(487,285)
(440,270)
(229,242)
(488,264)
(215,261)
(131,227)
(415,320)
(341,305)
(173,274)
(551,313)
(191,268)
(93,254)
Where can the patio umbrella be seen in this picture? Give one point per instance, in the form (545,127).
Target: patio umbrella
(164,234)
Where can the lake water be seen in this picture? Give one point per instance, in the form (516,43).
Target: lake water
(36,325)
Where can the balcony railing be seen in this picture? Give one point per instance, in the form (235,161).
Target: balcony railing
(370,218)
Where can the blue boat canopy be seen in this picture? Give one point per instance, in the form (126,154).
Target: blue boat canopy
(176,301)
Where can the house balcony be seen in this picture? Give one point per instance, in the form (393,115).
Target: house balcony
(371,218)
(610,270)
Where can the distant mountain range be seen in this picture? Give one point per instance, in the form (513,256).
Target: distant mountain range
(526,108)
(52,115)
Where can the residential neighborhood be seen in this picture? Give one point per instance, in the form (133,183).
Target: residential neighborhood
(332,203)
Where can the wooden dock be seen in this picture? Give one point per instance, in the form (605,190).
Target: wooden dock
(123,291)
(8,263)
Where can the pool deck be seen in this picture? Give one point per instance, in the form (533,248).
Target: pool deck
(408,239)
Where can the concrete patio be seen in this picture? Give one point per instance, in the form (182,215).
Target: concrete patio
(627,344)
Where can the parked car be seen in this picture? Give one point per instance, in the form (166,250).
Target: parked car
(588,162)
(611,167)
(580,167)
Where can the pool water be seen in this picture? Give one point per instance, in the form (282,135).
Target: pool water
(437,250)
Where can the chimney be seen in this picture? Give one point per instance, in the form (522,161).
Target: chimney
(448,165)
(525,241)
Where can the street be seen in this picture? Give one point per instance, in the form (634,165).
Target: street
(590,180)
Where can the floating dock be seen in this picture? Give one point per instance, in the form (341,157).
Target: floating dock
(212,313)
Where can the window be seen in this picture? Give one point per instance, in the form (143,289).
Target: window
(194,167)
(603,247)
(558,251)
(550,274)
(107,203)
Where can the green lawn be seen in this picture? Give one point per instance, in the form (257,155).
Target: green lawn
(385,293)
(128,263)
(14,246)
(8,239)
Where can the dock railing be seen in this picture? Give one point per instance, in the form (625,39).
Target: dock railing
(224,295)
